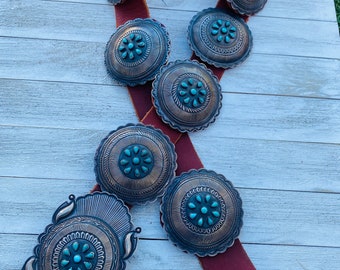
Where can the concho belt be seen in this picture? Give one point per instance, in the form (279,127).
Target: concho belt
(201,211)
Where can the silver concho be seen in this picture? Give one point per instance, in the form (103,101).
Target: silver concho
(187,95)
(247,7)
(219,38)
(202,212)
(136,51)
(136,163)
(88,233)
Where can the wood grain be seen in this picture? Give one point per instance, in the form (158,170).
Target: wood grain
(276,138)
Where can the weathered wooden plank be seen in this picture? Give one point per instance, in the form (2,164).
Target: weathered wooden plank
(28,205)
(54,20)
(313,10)
(69,61)
(79,106)
(68,154)
(161,255)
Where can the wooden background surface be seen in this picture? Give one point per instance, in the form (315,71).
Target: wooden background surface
(277,137)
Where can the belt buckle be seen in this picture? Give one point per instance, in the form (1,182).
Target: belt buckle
(89,232)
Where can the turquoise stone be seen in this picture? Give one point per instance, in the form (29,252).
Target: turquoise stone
(131,46)
(66,252)
(124,162)
(136,160)
(204,210)
(148,160)
(85,248)
(198,198)
(193,91)
(75,246)
(64,262)
(200,222)
(201,100)
(184,85)
(127,152)
(192,205)
(77,258)
(141,44)
(203,92)
(88,265)
(90,255)
(214,204)
(193,215)
(216,214)
(124,55)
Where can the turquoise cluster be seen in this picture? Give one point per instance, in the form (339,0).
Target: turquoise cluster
(223,31)
(203,210)
(132,47)
(78,255)
(191,93)
(136,161)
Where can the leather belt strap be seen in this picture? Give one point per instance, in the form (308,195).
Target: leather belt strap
(235,258)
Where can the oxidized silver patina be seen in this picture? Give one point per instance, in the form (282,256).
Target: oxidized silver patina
(247,7)
(136,163)
(219,38)
(88,233)
(187,95)
(136,51)
(202,212)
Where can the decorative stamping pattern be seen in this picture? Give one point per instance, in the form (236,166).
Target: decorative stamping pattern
(78,250)
(203,210)
(219,38)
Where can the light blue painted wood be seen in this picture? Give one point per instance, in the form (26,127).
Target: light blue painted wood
(277,137)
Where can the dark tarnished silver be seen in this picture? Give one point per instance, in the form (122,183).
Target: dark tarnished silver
(136,163)
(247,7)
(187,95)
(202,212)
(219,38)
(116,2)
(87,233)
(136,51)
